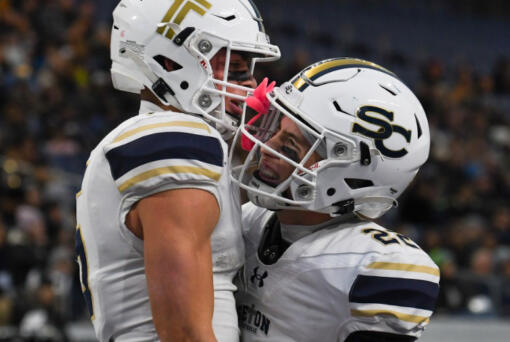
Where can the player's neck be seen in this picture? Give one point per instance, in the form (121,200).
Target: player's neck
(303,218)
(147,95)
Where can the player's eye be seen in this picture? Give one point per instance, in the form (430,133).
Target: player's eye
(239,76)
(290,153)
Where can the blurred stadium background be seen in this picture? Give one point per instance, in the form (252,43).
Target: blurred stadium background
(57,102)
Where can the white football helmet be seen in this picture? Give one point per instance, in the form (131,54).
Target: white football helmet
(188,33)
(368,127)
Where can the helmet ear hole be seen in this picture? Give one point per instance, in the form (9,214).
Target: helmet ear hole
(356,183)
(166,63)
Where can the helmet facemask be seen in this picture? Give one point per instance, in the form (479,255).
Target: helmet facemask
(275,193)
(236,68)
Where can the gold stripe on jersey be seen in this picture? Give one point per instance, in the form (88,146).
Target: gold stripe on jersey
(189,124)
(78,194)
(404,267)
(168,170)
(399,315)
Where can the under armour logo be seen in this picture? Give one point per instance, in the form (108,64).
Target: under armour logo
(259,277)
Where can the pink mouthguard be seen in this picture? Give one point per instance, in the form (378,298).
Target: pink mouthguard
(258,102)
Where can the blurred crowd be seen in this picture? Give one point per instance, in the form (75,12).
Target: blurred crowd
(459,204)
(57,102)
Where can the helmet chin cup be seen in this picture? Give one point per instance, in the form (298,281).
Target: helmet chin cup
(374,207)
(260,199)
(226,132)
(227,129)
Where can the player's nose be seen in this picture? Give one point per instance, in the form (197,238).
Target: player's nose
(273,143)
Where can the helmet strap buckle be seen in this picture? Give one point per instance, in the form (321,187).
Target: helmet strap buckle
(344,207)
(365,158)
(160,88)
(183,35)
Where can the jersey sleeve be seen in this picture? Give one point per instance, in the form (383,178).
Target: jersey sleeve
(393,293)
(165,152)
(250,213)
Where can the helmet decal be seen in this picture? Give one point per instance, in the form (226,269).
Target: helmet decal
(189,5)
(386,130)
(258,17)
(418,126)
(312,73)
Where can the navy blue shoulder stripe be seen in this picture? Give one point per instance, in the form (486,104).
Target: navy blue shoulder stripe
(414,293)
(165,145)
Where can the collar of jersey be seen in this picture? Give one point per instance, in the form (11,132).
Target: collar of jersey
(147,107)
(292,233)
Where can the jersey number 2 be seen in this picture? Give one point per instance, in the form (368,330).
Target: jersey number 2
(82,262)
(388,238)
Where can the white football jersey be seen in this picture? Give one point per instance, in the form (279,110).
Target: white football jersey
(334,281)
(146,154)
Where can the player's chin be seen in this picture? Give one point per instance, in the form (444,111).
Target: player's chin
(268,176)
(234,108)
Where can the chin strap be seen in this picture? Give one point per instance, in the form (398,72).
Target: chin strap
(226,132)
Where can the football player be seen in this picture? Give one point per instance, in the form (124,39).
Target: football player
(158,238)
(332,151)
